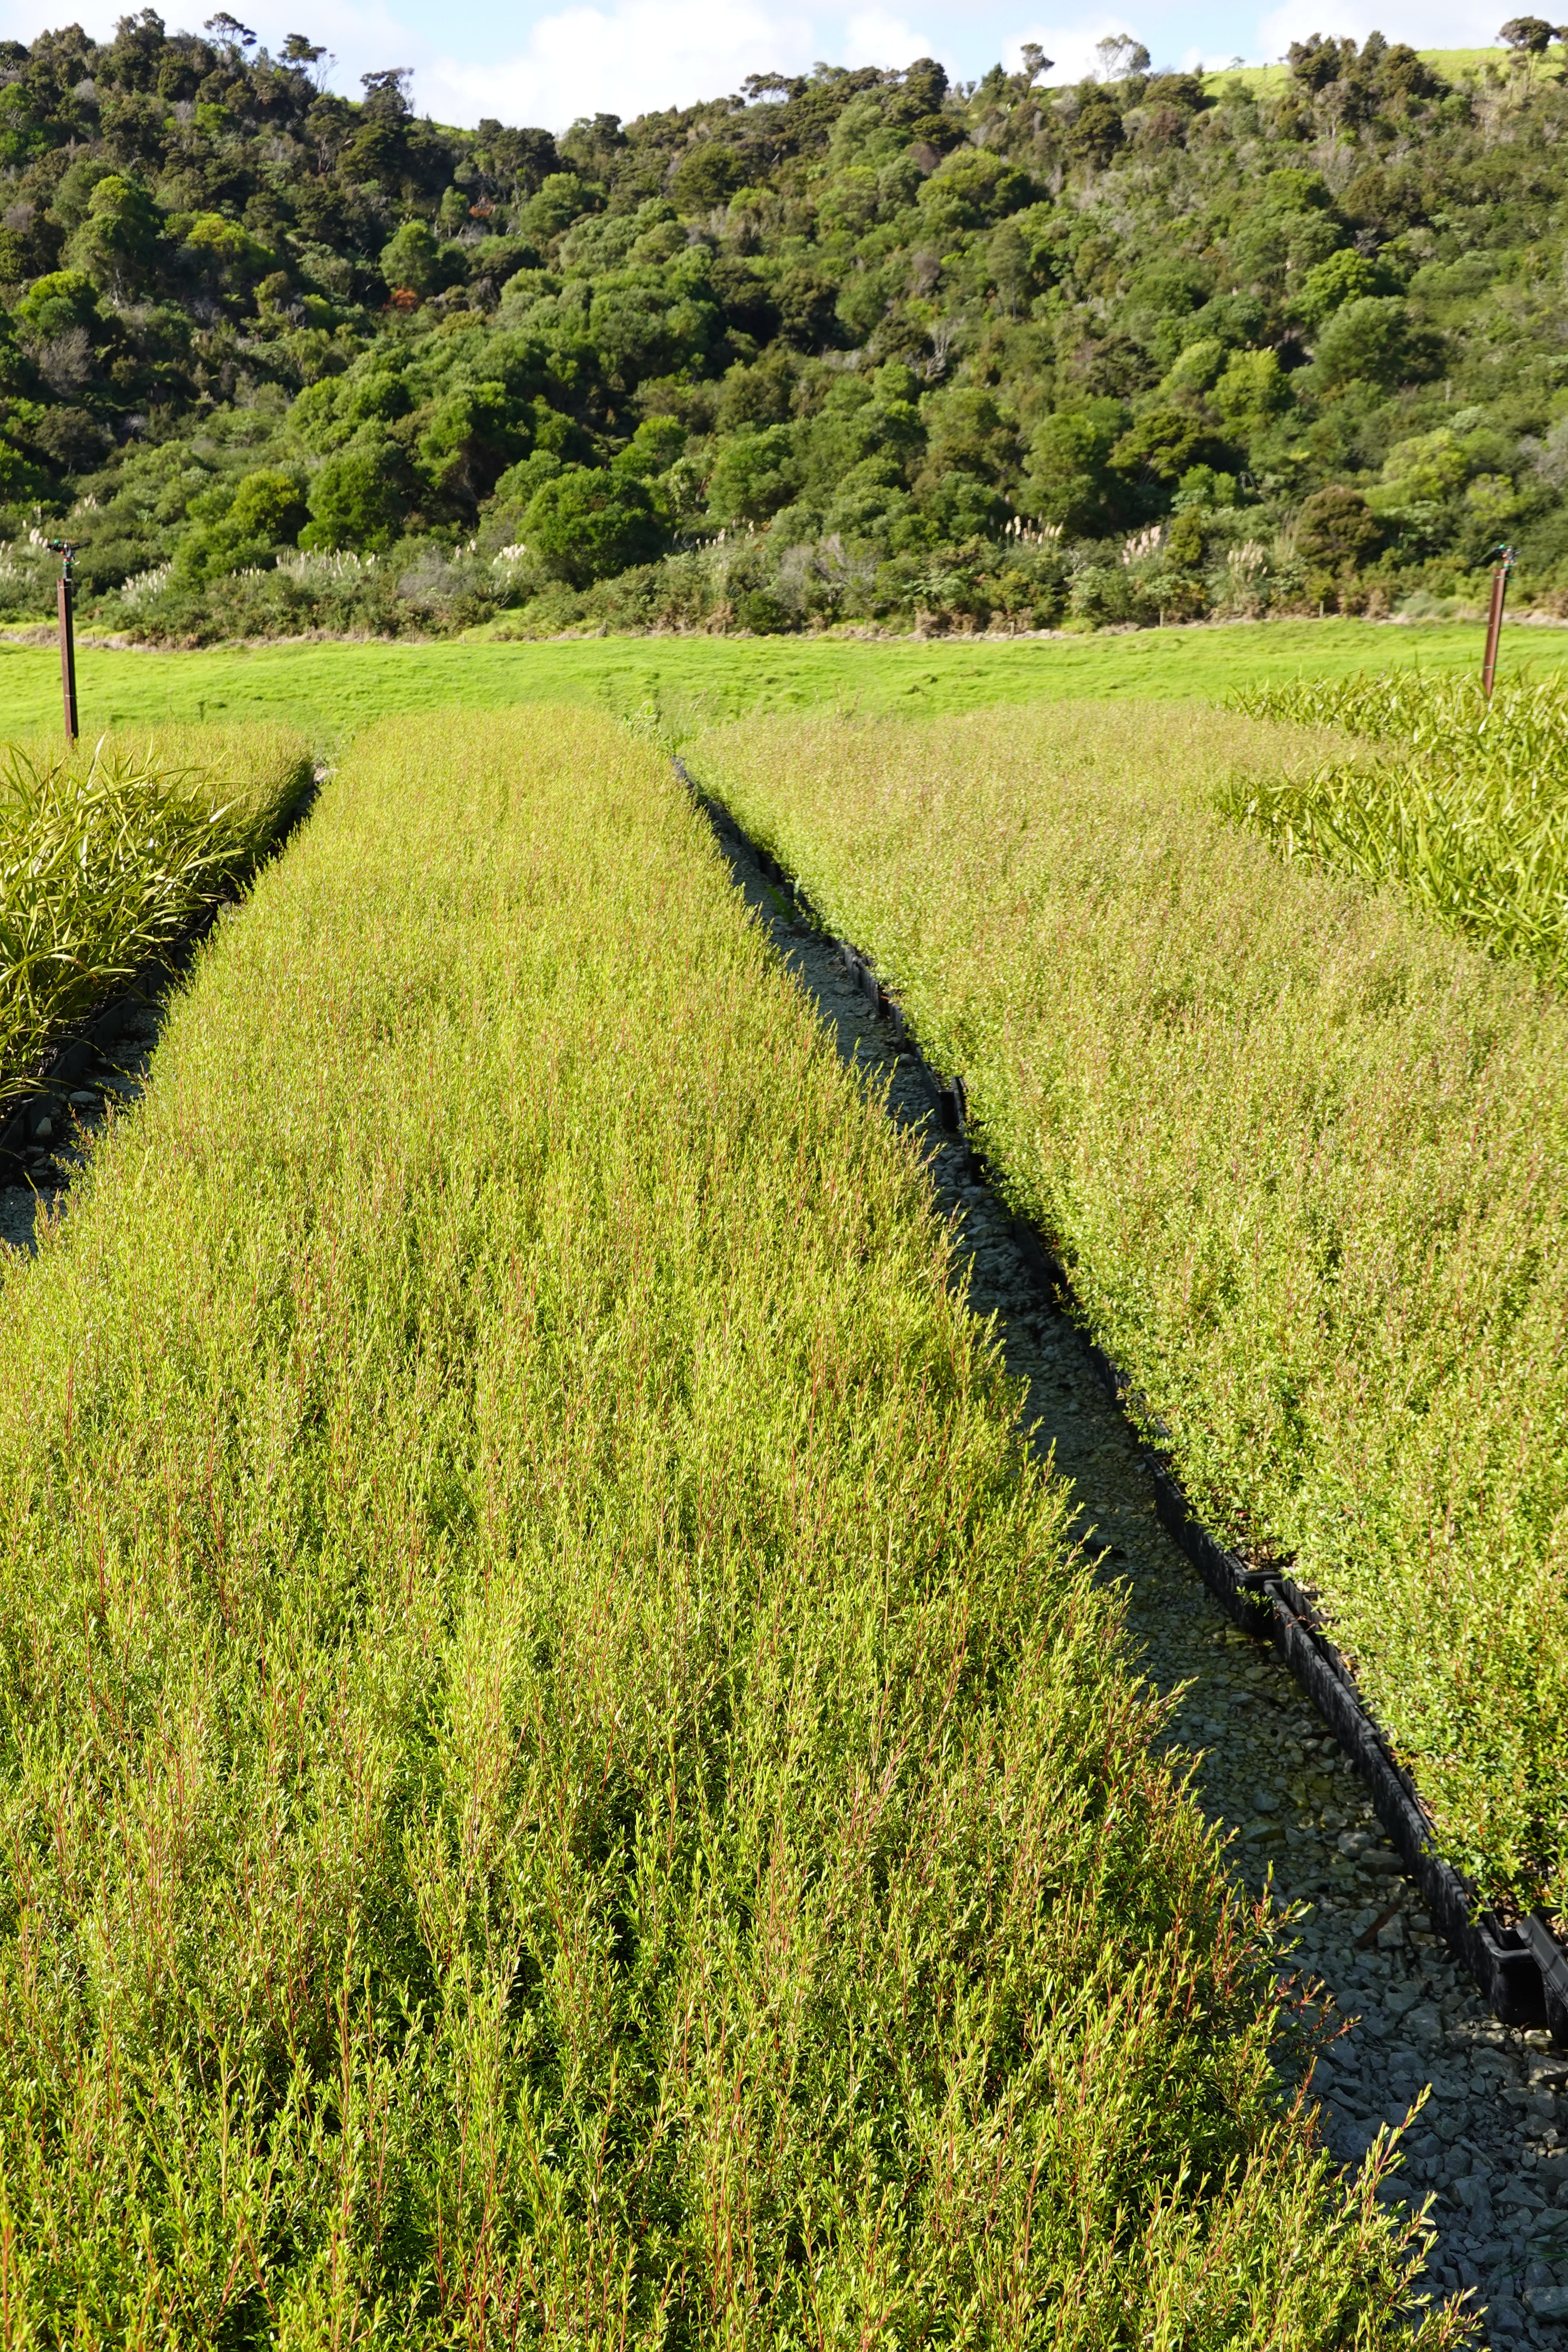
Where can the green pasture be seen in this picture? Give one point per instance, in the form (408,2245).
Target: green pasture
(331,691)
(1455,66)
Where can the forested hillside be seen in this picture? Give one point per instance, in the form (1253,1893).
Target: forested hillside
(860,347)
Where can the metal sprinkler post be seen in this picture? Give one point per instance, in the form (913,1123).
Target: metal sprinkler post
(67,548)
(1494,617)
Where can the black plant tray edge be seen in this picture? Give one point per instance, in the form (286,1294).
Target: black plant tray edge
(1521,1970)
(80,1040)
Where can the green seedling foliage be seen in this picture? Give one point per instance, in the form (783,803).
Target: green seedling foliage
(1466,809)
(107,851)
(1305,1156)
(563,1781)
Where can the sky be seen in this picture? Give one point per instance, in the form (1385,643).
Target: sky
(549,61)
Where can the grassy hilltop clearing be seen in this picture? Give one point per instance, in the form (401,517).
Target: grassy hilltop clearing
(854,347)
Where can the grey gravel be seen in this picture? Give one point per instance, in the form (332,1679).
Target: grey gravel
(1489,2149)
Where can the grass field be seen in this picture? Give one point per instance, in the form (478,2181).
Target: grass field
(562,1782)
(1458,66)
(330,690)
(1305,1155)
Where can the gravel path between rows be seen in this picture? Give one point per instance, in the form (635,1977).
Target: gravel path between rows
(1491,2146)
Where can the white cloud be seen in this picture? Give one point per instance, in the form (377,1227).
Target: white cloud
(621,56)
(364,35)
(638,55)
(19,23)
(24,20)
(1071,48)
(873,38)
(547,61)
(1424,24)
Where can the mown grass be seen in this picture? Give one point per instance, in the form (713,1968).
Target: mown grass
(561,1781)
(330,690)
(1304,1155)
(107,851)
(1466,810)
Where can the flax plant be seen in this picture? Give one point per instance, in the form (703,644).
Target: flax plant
(107,851)
(1305,1156)
(1466,810)
(561,1781)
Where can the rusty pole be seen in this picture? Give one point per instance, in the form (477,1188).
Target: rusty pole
(1494,618)
(63,595)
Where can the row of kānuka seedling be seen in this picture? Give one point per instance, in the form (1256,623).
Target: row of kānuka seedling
(107,851)
(562,1780)
(1304,1154)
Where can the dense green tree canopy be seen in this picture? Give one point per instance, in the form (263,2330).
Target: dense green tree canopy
(1145,345)
(591,521)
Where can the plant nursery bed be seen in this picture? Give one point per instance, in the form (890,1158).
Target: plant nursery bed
(1514,1955)
(565,1764)
(89,1039)
(112,859)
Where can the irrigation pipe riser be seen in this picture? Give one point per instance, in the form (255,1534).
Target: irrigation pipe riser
(1521,1970)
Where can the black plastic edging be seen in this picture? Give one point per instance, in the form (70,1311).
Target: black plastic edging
(73,1052)
(1521,1970)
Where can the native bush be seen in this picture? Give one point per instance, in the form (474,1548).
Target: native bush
(423,308)
(588,523)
